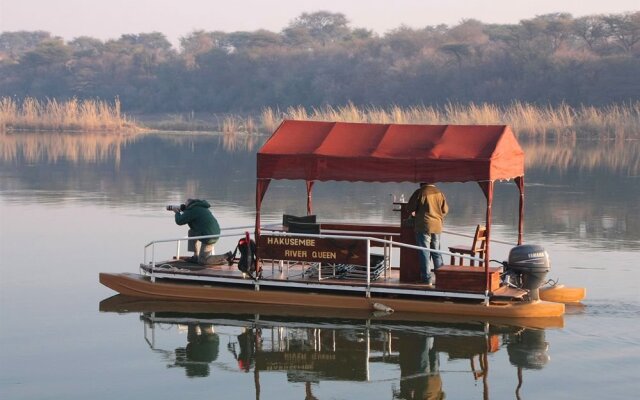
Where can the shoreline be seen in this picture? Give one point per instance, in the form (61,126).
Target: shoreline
(619,122)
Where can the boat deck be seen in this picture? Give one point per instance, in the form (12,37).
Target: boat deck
(292,271)
(304,275)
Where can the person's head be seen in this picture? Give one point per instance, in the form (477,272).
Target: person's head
(189,201)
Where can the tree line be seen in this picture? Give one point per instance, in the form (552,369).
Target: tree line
(320,59)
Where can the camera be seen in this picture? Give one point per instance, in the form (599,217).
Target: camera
(176,207)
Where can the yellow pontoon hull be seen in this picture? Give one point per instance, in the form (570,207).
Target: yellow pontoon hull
(562,294)
(139,286)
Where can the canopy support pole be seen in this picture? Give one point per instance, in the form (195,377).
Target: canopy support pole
(261,190)
(487,188)
(309,197)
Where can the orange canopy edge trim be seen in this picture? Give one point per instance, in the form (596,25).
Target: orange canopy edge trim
(345,151)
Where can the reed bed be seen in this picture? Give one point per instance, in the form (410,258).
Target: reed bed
(527,120)
(70,115)
(228,124)
(179,122)
(270,119)
(238,133)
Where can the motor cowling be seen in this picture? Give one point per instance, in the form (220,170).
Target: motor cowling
(529,265)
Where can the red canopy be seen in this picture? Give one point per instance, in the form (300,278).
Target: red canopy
(342,151)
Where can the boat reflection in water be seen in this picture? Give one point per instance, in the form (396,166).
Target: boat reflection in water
(203,346)
(314,346)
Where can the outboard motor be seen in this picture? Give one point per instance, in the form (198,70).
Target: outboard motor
(527,268)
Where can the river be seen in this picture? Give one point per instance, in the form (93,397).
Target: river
(74,205)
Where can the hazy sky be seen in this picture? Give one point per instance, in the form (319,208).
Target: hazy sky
(175,18)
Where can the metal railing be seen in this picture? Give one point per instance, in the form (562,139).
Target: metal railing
(373,239)
(178,240)
(368,240)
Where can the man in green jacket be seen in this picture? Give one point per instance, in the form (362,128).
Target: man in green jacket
(198,216)
(429,206)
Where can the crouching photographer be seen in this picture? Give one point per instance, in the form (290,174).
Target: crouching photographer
(197,214)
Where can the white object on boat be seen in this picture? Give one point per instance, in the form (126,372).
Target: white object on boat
(382,307)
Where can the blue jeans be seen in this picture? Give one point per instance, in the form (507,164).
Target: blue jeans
(430,241)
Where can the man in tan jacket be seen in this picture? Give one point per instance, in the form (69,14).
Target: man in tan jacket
(429,206)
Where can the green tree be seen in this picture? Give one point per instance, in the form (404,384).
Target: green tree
(85,46)
(253,40)
(624,29)
(199,42)
(319,59)
(320,27)
(47,53)
(45,71)
(592,30)
(15,44)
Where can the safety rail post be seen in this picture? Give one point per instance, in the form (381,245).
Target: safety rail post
(388,266)
(144,258)
(385,256)
(153,262)
(368,256)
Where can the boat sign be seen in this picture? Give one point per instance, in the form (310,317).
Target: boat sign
(331,250)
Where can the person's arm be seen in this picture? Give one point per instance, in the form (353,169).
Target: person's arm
(184,217)
(445,206)
(412,204)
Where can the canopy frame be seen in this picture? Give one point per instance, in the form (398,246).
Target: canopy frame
(447,153)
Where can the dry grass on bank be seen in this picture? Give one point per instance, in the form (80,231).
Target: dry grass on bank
(202,122)
(617,121)
(71,115)
(527,120)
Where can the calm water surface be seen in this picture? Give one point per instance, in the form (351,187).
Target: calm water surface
(72,206)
